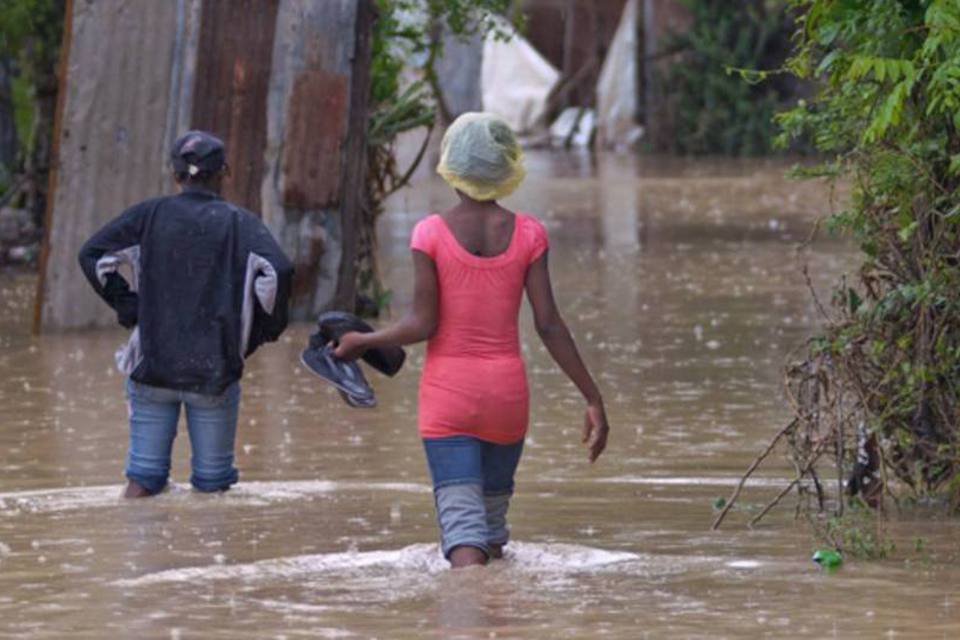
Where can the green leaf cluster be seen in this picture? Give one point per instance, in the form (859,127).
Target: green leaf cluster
(887,116)
(408,35)
(714,110)
(30,36)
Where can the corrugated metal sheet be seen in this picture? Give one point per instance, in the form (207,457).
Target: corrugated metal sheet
(112,149)
(316,129)
(313,53)
(233,65)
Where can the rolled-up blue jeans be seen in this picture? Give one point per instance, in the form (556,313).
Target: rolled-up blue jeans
(211,423)
(472,485)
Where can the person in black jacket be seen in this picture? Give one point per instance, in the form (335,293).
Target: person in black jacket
(207,285)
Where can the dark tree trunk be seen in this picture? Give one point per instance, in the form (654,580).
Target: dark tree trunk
(38,160)
(661,18)
(8,127)
(353,189)
(44,55)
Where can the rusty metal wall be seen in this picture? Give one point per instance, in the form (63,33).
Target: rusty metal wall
(316,130)
(117,104)
(308,107)
(233,74)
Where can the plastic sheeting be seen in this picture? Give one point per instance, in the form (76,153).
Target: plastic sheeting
(458,72)
(515,81)
(617,90)
(575,126)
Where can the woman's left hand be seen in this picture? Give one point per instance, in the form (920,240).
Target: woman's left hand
(595,430)
(351,346)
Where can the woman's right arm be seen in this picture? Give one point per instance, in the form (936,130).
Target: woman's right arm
(556,337)
(416,326)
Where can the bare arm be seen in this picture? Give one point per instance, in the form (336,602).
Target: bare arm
(556,337)
(416,326)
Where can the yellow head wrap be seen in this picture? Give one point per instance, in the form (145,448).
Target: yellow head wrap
(480,156)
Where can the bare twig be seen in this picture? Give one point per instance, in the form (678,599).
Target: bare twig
(755,519)
(753,467)
(404,180)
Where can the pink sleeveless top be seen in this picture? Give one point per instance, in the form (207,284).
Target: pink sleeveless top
(474,381)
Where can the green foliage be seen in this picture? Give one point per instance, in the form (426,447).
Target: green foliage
(22,107)
(859,534)
(20,22)
(888,116)
(714,110)
(408,34)
(30,36)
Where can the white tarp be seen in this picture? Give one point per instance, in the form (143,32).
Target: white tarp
(574,125)
(515,80)
(617,90)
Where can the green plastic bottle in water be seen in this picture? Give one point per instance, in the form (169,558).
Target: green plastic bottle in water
(828,559)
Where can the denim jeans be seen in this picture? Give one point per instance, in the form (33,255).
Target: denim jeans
(472,485)
(211,423)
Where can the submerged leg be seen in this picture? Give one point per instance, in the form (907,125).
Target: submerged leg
(154,414)
(455,466)
(499,466)
(467,556)
(463,524)
(212,423)
(498,534)
(135,490)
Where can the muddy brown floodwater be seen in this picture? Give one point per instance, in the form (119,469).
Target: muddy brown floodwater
(681,284)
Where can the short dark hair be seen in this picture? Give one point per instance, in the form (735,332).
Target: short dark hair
(205,179)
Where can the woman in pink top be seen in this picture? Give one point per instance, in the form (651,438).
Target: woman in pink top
(472,264)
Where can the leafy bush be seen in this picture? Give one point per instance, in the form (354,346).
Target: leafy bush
(877,393)
(889,113)
(714,110)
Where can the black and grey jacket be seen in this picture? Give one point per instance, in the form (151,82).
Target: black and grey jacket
(208,285)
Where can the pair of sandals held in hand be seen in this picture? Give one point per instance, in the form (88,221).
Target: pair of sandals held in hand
(347,377)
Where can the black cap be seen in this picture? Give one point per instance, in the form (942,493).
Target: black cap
(197,152)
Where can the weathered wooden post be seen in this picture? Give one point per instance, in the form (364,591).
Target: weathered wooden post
(284,82)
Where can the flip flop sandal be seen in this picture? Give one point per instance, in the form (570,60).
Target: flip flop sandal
(346,377)
(386,360)
(358,403)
